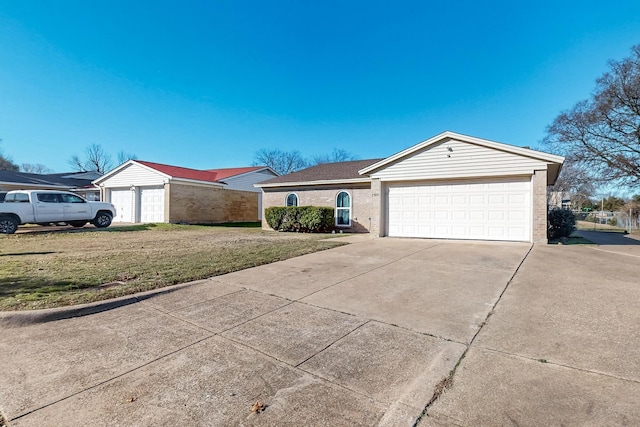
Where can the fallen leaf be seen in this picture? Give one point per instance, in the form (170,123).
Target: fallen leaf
(257,407)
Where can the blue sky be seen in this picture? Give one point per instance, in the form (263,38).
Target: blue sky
(205,84)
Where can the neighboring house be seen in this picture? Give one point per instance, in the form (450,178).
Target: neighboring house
(559,199)
(78,182)
(153,192)
(451,186)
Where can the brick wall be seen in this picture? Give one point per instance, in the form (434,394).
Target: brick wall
(325,196)
(539,181)
(378,226)
(209,205)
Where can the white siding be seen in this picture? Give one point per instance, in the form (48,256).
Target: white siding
(245,182)
(134,175)
(457,159)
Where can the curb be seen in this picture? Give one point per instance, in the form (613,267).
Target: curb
(16,319)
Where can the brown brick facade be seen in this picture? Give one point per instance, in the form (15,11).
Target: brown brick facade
(539,190)
(361,212)
(209,205)
(378,200)
(369,204)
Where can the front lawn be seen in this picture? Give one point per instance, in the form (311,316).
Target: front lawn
(591,226)
(42,270)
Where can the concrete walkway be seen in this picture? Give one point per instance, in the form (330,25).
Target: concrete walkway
(357,335)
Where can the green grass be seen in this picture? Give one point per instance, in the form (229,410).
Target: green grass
(590,226)
(52,269)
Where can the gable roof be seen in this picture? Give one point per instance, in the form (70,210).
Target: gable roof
(554,163)
(233,172)
(325,173)
(214,176)
(180,172)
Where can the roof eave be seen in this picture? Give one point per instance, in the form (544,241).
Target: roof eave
(22,184)
(317,182)
(267,168)
(196,181)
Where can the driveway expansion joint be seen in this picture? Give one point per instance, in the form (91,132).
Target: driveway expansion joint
(562,365)
(333,342)
(190,305)
(448,381)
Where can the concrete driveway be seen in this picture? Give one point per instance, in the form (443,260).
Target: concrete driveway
(357,335)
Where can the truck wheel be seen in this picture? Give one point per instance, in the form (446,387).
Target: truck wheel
(8,224)
(77,223)
(102,220)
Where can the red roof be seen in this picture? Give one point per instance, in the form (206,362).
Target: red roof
(212,175)
(228,172)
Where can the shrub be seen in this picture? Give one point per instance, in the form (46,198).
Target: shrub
(307,219)
(613,221)
(562,222)
(316,220)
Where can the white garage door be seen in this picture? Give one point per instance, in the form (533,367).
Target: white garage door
(122,199)
(151,204)
(478,209)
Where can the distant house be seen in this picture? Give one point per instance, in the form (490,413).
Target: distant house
(559,199)
(152,192)
(78,182)
(451,186)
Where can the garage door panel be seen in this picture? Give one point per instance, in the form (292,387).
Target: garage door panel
(476,215)
(459,200)
(476,232)
(123,200)
(517,216)
(152,204)
(496,232)
(496,215)
(425,215)
(458,231)
(480,209)
(458,215)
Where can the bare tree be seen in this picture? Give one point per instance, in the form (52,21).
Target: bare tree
(337,155)
(603,132)
(123,157)
(283,162)
(96,159)
(6,163)
(38,168)
(573,183)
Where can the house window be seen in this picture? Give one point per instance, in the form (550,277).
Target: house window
(343,209)
(292,199)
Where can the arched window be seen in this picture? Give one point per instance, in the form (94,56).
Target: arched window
(292,199)
(343,209)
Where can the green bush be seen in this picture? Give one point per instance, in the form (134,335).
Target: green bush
(613,221)
(562,222)
(306,219)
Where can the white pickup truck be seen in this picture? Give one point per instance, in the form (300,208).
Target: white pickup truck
(49,206)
